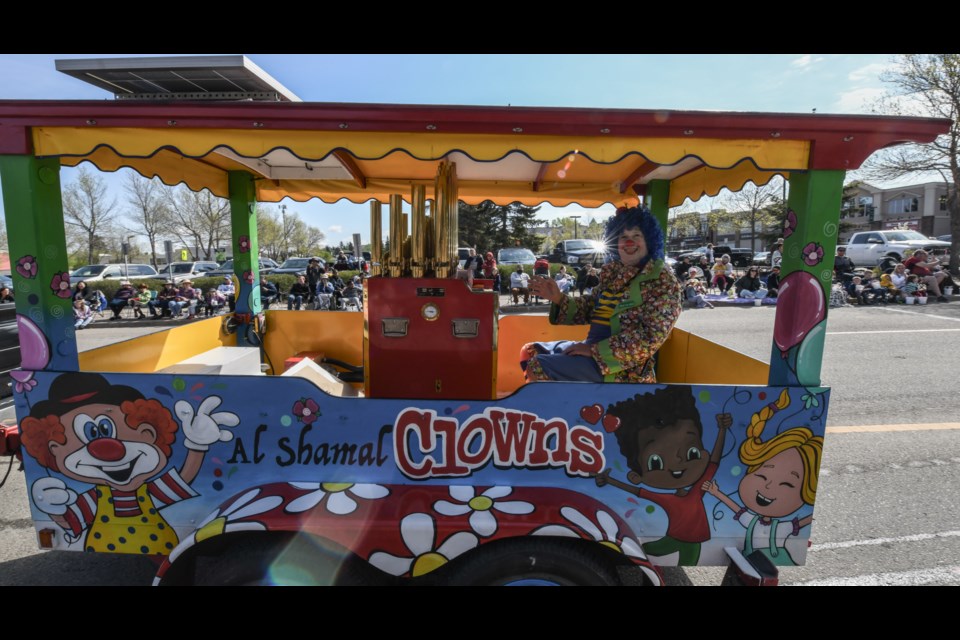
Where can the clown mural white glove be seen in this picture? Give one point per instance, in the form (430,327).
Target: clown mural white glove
(203,429)
(52,496)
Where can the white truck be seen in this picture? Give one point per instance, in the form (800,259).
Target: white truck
(870,248)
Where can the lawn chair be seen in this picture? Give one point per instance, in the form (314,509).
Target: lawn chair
(101,305)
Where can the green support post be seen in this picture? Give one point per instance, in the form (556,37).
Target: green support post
(246,252)
(38,261)
(658,192)
(810,242)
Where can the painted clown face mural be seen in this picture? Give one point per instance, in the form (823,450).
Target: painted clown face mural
(114,438)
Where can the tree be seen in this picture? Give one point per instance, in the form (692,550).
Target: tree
(488,227)
(283,233)
(751,205)
(150,212)
(87,209)
(200,219)
(925,85)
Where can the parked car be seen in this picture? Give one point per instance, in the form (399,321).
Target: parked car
(946,238)
(516,255)
(6,281)
(226,269)
(97,272)
(762,258)
(870,248)
(180,271)
(739,256)
(578,252)
(295,266)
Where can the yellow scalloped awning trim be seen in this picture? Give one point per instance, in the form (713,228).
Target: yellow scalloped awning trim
(183,155)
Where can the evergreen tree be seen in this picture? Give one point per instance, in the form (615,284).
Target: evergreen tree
(489,227)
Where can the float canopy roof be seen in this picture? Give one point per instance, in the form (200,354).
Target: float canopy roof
(533,155)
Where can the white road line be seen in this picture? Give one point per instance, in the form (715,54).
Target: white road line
(940,575)
(876,541)
(877,428)
(857,333)
(917,313)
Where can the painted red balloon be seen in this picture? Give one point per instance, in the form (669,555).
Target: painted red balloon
(592,413)
(801,305)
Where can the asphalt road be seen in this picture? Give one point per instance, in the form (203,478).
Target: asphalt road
(887,511)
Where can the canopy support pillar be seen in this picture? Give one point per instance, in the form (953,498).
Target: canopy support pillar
(658,195)
(810,242)
(246,252)
(34,211)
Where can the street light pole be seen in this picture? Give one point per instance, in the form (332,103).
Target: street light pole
(575,224)
(126,250)
(283,213)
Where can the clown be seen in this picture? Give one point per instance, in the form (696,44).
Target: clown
(114,438)
(630,312)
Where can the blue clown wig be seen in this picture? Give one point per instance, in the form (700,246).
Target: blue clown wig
(634,218)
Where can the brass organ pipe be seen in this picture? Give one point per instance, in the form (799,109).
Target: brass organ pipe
(397,236)
(439,223)
(418,236)
(453,230)
(376,237)
(429,239)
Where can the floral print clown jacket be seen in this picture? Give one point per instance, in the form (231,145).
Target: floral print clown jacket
(641,321)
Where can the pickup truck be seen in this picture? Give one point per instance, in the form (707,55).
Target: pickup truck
(870,248)
(578,252)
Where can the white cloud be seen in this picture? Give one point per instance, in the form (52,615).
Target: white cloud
(857,100)
(335,228)
(805,62)
(869,72)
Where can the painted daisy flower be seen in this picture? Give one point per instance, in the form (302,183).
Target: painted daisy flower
(812,254)
(418,531)
(226,520)
(248,277)
(244,243)
(27,266)
(607,534)
(306,410)
(482,520)
(339,501)
(61,284)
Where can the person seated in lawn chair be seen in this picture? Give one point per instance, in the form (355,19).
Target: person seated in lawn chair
(268,292)
(228,291)
(191,298)
(213,302)
(141,300)
(122,298)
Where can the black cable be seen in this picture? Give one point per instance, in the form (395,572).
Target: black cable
(7,474)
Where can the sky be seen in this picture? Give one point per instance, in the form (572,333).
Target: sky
(785,83)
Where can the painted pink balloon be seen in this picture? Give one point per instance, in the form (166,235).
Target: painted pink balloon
(34,348)
(801,305)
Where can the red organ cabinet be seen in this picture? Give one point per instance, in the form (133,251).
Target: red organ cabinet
(429,338)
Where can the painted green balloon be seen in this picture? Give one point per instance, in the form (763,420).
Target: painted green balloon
(704,396)
(736,470)
(286,420)
(650,509)
(179,384)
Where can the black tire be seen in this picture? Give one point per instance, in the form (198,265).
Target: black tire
(536,562)
(280,559)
